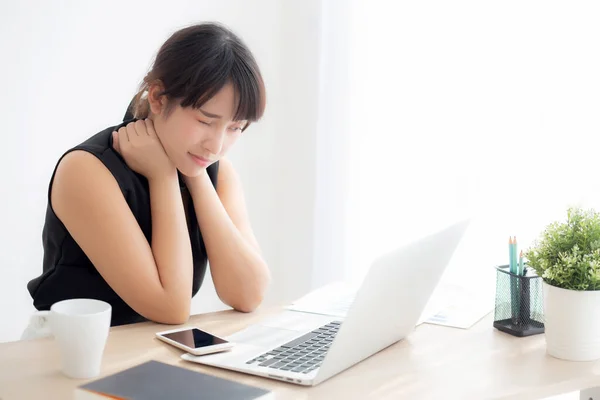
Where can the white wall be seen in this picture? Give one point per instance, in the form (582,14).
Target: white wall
(69,70)
(493,112)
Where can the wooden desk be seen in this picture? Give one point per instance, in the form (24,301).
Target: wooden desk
(434,362)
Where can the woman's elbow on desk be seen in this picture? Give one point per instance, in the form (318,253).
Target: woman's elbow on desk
(173,319)
(245,306)
(168,312)
(247,299)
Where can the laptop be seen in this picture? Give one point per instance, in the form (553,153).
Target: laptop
(307,349)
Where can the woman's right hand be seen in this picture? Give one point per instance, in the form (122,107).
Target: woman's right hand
(142,150)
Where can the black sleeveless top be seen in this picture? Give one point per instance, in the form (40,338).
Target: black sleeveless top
(68,273)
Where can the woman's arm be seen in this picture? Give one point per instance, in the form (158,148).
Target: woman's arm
(239,273)
(156,281)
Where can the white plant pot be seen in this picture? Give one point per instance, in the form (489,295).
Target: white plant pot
(572,323)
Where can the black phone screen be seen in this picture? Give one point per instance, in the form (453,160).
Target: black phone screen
(194,338)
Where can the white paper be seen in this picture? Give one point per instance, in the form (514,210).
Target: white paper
(450,305)
(459,307)
(335,299)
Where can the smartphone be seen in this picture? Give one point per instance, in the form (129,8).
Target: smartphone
(194,341)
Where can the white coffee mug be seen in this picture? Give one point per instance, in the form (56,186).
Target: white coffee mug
(80,327)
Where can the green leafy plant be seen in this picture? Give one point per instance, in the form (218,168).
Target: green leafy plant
(567,254)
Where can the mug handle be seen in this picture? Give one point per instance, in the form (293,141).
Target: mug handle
(39,326)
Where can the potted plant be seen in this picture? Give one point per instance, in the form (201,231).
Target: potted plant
(567,257)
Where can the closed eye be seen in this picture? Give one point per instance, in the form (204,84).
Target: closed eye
(204,122)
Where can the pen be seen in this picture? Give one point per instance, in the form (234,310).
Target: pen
(515,255)
(514,284)
(510,255)
(521,270)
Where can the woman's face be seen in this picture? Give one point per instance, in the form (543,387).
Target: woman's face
(195,138)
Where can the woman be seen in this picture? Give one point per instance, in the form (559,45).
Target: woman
(135,212)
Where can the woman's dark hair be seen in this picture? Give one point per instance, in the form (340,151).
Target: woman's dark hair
(195,63)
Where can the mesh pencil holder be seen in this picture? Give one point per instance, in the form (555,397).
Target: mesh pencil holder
(519,303)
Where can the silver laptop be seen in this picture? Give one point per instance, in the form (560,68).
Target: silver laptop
(306,349)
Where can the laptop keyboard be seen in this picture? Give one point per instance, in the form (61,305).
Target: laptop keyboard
(302,354)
